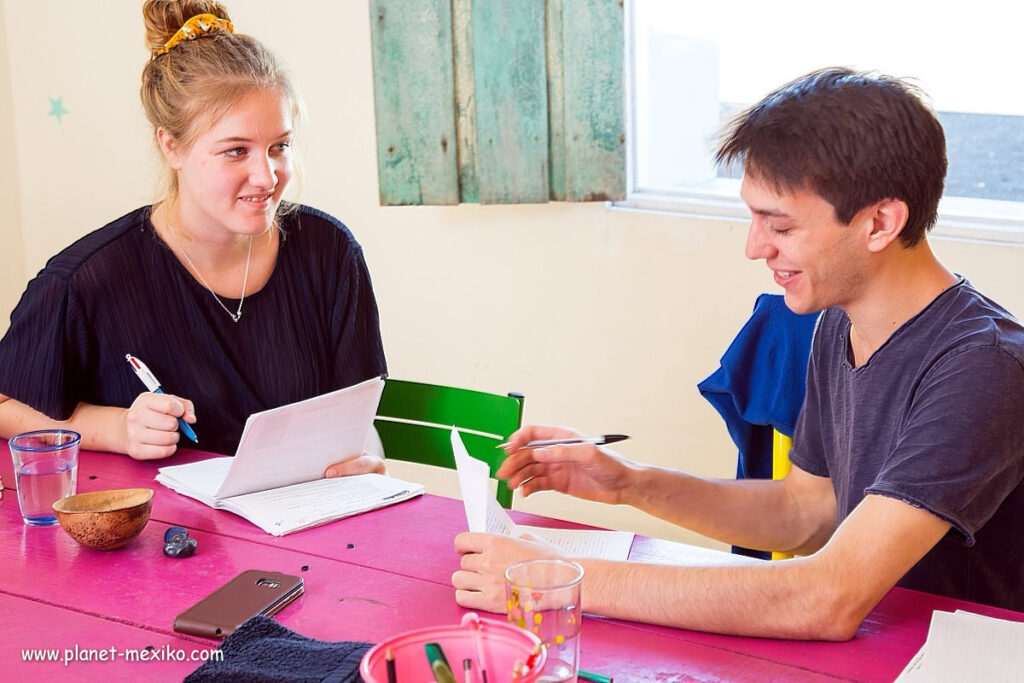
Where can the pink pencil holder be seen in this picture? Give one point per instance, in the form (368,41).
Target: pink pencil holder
(502,646)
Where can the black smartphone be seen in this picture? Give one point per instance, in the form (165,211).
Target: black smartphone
(253,592)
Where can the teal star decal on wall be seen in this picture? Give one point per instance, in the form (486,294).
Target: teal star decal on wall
(57,108)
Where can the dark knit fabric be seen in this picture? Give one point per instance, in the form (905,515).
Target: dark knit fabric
(263,651)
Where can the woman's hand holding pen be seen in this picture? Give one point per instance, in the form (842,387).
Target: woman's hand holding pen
(580,470)
(151,425)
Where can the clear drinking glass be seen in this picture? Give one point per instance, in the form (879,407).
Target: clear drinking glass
(45,470)
(543,596)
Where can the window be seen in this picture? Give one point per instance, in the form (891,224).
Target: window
(692,65)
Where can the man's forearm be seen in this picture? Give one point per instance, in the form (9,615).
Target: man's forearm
(756,598)
(824,596)
(753,513)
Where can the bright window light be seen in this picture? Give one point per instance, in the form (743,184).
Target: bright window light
(693,65)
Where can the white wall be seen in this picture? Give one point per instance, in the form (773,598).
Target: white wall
(605,319)
(12,273)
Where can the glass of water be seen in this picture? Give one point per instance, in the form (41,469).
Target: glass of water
(45,470)
(543,596)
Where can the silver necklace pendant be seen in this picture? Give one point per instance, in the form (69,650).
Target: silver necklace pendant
(237,315)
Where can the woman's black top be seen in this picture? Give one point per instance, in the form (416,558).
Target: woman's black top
(311,329)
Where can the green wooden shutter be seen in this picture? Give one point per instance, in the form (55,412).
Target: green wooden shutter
(413,82)
(498,101)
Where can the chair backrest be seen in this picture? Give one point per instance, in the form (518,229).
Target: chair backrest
(414,422)
(759,387)
(780,468)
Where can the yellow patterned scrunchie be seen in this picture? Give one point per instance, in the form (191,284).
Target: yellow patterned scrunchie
(195,27)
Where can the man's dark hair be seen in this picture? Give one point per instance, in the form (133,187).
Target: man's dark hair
(853,138)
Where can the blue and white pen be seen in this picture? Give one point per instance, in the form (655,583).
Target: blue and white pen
(147,377)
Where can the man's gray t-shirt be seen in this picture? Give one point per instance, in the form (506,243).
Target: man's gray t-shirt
(934,418)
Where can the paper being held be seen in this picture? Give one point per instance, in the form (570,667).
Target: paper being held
(483,514)
(276,479)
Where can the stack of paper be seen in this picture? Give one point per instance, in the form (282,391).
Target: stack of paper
(276,479)
(484,514)
(963,646)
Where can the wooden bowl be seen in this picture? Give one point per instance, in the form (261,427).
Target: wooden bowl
(105,520)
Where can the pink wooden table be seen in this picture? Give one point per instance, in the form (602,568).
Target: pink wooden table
(57,594)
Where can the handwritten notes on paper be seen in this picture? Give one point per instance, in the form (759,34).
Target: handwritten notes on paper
(484,514)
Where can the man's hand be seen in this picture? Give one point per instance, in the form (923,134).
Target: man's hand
(151,425)
(480,584)
(580,470)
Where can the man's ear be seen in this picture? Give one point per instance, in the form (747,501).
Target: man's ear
(169,148)
(888,218)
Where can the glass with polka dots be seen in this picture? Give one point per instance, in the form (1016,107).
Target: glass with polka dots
(543,597)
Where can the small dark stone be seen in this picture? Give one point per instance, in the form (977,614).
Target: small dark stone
(181,546)
(92,476)
(175,531)
(305,567)
(350,546)
(150,648)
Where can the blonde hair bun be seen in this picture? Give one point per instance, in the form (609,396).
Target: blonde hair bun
(163,18)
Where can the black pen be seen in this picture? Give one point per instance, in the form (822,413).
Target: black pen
(596,440)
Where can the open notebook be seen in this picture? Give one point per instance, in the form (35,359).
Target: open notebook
(484,514)
(276,479)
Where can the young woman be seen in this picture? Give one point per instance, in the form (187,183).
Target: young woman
(237,301)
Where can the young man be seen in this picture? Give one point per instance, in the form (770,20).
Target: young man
(908,455)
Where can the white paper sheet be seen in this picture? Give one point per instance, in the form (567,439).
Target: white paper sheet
(300,506)
(484,514)
(471,473)
(201,479)
(276,479)
(604,545)
(297,442)
(963,646)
